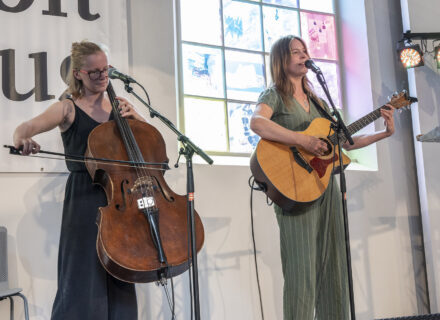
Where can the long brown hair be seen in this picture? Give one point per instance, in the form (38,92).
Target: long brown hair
(279,61)
(78,54)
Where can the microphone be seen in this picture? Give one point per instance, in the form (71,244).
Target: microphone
(310,64)
(115,74)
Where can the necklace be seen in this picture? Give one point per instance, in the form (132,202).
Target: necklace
(305,100)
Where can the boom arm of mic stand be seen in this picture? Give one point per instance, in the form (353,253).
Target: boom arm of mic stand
(180,136)
(340,122)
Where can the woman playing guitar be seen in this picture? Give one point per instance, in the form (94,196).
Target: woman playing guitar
(311,237)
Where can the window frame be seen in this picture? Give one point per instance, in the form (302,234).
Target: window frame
(180,81)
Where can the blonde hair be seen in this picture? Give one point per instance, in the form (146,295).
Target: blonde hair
(279,61)
(79,52)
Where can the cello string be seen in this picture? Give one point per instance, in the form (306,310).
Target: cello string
(122,123)
(128,138)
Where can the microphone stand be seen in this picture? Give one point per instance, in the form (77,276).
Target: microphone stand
(341,131)
(188,150)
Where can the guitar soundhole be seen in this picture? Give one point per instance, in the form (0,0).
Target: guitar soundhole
(329,147)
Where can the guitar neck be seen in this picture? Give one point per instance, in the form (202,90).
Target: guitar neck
(359,124)
(364,121)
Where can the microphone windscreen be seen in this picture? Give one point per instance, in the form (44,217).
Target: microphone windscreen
(112,73)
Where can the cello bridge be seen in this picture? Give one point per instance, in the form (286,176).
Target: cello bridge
(141,184)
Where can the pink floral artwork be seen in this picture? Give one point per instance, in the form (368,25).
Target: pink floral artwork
(318,30)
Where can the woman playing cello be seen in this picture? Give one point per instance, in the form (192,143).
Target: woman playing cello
(85,289)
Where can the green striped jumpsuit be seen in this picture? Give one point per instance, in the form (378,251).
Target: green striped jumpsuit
(311,239)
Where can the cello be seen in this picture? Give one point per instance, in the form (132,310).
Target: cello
(142,232)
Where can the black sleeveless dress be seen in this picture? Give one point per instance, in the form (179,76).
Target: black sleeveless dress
(85,289)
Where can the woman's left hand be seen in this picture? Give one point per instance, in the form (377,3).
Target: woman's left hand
(127,109)
(387,114)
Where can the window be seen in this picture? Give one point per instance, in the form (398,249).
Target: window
(223,58)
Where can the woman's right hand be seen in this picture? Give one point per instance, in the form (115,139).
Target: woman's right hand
(314,145)
(27,145)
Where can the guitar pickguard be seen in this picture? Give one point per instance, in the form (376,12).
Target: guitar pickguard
(320,165)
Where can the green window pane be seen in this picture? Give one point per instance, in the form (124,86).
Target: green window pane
(203,28)
(277,23)
(242,25)
(330,72)
(287,3)
(317,5)
(205,123)
(241,138)
(202,71)
(244,75)
(318,30)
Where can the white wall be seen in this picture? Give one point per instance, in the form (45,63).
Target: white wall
(385,229)
(383,205)
(421,17)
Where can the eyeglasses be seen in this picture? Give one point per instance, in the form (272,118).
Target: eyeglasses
(95,75)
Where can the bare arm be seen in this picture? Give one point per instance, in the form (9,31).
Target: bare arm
(267,129)
(58,114)
(364,140)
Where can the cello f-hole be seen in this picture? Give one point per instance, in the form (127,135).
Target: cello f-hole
(165,194)
(121,207)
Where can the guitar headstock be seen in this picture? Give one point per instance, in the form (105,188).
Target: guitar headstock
(400,100)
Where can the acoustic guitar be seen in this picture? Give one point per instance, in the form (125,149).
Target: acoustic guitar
(292,177)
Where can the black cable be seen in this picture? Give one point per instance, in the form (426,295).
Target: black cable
(260,187)
(251,185)
(173,311)
(146,93)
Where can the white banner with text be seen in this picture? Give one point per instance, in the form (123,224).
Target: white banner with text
(35,42)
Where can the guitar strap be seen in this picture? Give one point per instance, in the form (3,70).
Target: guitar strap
(322,111)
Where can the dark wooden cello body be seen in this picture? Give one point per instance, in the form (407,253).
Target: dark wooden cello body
(125,245)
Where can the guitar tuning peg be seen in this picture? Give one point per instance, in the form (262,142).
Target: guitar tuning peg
(400,110)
